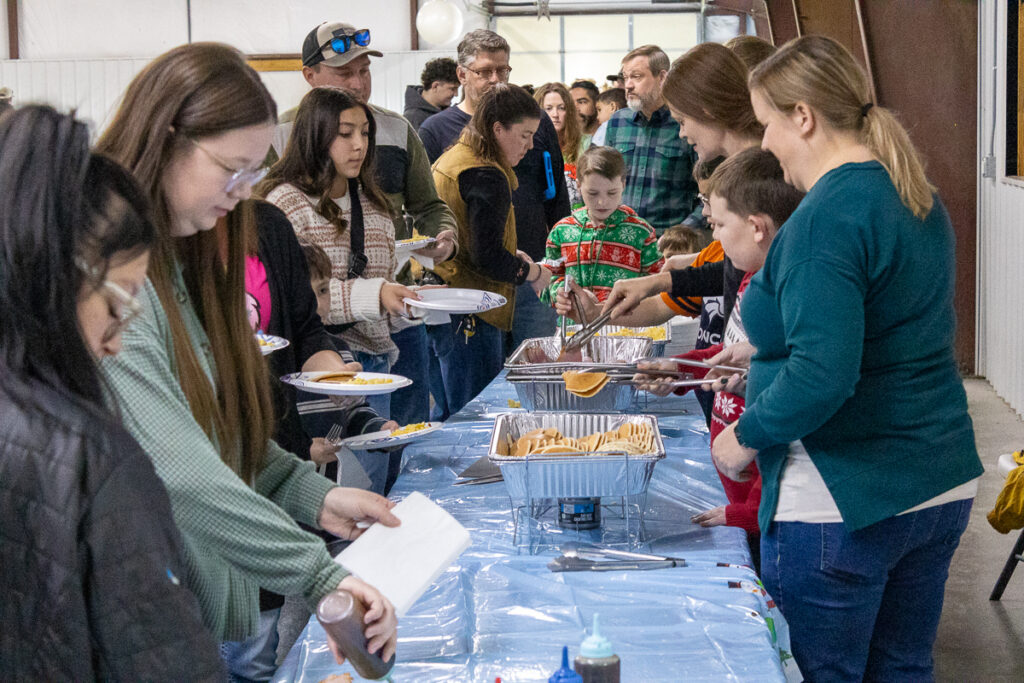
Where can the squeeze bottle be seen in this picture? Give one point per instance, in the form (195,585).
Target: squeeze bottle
(596,662)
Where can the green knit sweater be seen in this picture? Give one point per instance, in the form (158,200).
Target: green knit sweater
(237,538)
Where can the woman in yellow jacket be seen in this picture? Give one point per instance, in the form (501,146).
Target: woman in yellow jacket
(475,178)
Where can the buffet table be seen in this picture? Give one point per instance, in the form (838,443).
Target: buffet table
(499,611)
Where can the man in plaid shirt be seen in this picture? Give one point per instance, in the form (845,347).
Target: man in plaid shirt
(659,166)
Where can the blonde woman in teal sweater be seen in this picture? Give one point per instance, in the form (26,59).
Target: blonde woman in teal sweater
(855,409)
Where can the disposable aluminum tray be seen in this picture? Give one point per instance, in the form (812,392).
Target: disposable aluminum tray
(592,474)
(551,395)
(657,345)
(625,350)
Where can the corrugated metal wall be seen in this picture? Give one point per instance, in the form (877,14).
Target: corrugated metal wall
(1000,225)
(94,87)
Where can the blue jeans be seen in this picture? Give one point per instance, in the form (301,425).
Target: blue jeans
(255,658)
(439,342)
(863,605)
(471,363)
(531,318)
(375,462)
(411,404)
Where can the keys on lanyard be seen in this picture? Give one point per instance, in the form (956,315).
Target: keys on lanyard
(468,327)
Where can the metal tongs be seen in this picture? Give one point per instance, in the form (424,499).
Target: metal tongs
(584,557)
(587,332)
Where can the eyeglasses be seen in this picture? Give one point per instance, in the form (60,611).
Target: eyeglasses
(342,40)
(704,199)
(239,176)
(126,310)
(486,74)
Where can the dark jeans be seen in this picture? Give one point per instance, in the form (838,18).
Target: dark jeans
(440,341)
(411,404)
(470,363)
(863,605)
(532,317)
(375,462)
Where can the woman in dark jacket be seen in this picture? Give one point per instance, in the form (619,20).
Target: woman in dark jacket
(91,556)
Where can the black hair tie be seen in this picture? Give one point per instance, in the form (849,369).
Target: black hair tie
(866,108)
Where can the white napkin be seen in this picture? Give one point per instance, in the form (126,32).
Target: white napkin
(402,562)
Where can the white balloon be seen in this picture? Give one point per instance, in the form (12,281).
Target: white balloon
(439,21)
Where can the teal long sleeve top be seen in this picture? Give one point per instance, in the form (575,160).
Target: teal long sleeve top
(852,317)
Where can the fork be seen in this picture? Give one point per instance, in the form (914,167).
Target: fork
(333,438)
(334,434)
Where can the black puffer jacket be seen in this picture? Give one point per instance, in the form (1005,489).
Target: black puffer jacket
(89,554)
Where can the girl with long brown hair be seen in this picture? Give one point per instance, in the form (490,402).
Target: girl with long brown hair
(855,409)
(193,127)
(325,184)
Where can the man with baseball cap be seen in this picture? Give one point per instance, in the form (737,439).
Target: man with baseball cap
(338,54)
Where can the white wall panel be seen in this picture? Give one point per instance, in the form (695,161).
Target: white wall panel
(94,87)
(96,29)
(274,26)
(3,37)
(1000,226)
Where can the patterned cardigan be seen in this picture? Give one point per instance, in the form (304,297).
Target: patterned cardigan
(352,300)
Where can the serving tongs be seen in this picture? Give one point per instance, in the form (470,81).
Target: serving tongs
(587,332)
(584,557)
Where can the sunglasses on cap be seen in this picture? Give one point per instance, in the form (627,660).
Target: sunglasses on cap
(341,41)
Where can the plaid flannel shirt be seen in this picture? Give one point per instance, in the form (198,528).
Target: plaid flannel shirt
(659,166)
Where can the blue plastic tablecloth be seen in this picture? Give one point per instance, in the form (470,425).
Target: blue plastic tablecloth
(499,611)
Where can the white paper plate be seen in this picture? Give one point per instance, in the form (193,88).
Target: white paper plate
(383,439)
(457,301)
(414,243)
(269,343)
(307,382)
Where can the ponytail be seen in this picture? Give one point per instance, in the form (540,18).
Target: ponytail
(888,141)
(822,73)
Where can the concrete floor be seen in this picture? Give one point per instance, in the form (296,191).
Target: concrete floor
(978,640)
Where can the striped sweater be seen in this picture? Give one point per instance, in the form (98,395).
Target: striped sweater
(624,247)
(352,300)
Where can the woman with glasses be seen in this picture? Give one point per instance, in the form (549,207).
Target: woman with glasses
(194,127)
(325,186)
(92,564)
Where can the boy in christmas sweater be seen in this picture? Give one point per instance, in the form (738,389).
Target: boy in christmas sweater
(605,240)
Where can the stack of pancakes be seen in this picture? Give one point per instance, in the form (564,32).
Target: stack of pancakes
(631,438)
(584,384)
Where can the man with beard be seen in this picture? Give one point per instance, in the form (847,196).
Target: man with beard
(659,166)
(584,94)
